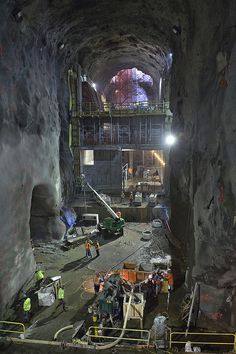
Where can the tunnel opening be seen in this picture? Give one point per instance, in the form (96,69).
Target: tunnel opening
(130,86)
(44,215)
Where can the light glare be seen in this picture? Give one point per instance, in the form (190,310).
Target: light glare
(170,140)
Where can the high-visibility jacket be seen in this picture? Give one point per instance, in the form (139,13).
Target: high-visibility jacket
(87,245)
(169,277)
(39,275)
(27,305)
(61,294)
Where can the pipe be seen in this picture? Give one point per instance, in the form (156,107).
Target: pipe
(191,308)
(46,342)
(109,209)
(110,345)
(62,330)
(72,345)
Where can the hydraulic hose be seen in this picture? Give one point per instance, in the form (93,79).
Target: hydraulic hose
(62,330)
(110,345)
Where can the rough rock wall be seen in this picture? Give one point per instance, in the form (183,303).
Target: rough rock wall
(203,189)
(30,120)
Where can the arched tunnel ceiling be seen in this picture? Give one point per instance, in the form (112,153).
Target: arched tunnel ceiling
(107,36)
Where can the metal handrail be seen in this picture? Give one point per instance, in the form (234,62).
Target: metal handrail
(90,108)
(13,323)
(120,329)
(218,334)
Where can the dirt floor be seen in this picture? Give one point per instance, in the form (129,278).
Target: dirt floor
(77,273)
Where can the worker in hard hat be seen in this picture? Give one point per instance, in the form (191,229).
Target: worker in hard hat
(157,281)
(169,277)
(27,308)
(118,213)
(88,244)
(97,248)
(39,276)
(150,287)
(61,297)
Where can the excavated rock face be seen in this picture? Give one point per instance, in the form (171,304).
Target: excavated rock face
(203,162)
(105,37)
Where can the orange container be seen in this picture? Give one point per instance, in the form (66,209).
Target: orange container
(140,276)
(132,276)
(129,265)
(124,274)
(129,275)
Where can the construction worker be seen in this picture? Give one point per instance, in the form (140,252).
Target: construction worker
(150,287)
(97,282)
(27,308)
(157,281)
(88,244)
(118,213)
(169,277)
(61,296)
(95,323)
(39,276)
(97,248)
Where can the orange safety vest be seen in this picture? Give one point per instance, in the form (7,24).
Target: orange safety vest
(87,245)
(169,277)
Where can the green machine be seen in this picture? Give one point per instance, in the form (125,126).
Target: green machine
(113,225)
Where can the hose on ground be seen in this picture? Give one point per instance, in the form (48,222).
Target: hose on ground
(110,345)
(62,330)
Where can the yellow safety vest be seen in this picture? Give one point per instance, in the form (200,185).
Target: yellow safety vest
(27,305)
(39,275)
(61,294)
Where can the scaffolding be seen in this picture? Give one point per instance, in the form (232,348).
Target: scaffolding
(122,88)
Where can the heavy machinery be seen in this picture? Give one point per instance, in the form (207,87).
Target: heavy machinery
(113,225)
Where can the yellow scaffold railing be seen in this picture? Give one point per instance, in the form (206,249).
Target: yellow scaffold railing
(203,338)
(6,323)
(95,330)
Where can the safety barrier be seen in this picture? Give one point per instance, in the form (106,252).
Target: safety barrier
(12,324)
(95,329)
(90,108)
(206,339)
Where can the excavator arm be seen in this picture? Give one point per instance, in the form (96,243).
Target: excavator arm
(104,203)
